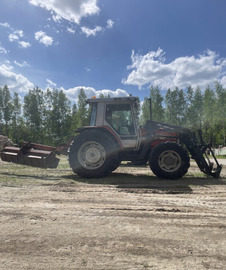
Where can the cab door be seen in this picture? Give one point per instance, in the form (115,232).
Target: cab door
(121,119)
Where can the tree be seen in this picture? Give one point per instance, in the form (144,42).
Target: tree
(7,108)
(157,108)
(47,116)
(181,108)
(190,113)
(220,112)
(209,113)
(16,107)
(82,108)
(137,111)
(194,107)
(60,116)
(175,107)
(74,117)
(198,108)
(33,113)
(16,115)
(145,111)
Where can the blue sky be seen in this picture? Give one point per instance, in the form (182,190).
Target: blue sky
(115,47)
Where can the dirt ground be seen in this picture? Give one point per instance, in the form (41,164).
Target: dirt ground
(51,219)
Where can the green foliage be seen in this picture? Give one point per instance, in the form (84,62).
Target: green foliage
(194,108)
(83,112)
(58,116)
(175,107)
(145,111)
(156,102)
(137,110)
(34,113)
(6,109)
(48,116)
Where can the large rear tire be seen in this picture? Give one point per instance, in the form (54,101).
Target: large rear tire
(169,160)
(91,154)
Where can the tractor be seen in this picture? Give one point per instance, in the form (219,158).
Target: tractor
(114,135)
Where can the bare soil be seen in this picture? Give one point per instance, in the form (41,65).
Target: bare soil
(51,219)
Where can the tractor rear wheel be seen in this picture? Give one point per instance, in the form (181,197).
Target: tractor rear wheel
(169,160)
(91,154)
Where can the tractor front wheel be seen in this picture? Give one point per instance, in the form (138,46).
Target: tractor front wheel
(169,160)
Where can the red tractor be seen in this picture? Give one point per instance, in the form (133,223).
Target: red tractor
(114,135)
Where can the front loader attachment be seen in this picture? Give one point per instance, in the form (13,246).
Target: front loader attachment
(199,152)
(35,155)
(194,143)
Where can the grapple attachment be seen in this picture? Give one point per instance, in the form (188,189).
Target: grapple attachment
(35,155)
(198,150)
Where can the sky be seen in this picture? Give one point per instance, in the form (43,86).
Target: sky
(116,47)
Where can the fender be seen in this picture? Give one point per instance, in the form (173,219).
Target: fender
(107,130)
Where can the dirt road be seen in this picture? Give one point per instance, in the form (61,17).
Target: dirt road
(130,220)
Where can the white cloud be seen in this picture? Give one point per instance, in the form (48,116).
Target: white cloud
(50,83)
(24,64)
(183,71)
(91,32)
(223,81)
(24,44)
(70,30)
(5,25)
(110,24)
(3,50)
(43,38)
(16,82)
(70,10)
(72,93)
(16,35)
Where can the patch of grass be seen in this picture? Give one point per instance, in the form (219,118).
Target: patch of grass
(145,265)
(19,175)
(220,157)
(84,262)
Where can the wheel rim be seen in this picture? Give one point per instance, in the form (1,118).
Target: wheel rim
(169,161)
(91,155)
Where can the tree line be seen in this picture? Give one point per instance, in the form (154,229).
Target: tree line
(45,117)
(49,117)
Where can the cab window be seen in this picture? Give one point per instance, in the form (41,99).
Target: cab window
(119,117)
(93,115)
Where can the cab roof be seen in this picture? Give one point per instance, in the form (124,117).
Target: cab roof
(113,100)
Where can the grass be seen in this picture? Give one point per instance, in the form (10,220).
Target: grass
(19,175)
(220,157)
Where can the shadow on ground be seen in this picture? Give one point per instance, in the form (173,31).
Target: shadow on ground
(126,182)
(150,184)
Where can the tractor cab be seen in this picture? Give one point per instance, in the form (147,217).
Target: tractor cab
(119,116)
